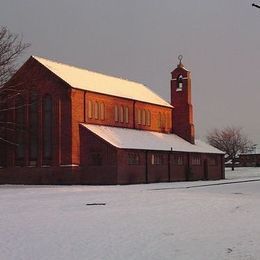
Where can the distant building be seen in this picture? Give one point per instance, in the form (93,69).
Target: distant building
(249,160)
(82,127)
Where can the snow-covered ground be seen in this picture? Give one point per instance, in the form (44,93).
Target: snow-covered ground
(186,220)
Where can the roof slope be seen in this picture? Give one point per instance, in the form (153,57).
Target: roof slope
(97,82)
(147,140)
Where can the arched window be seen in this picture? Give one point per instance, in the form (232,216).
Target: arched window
(20,130)
(139,116)
(143,117)
(180,83)
(96,110)
(90,109)
(33,119)
(126,115)
(102,111)
(116,113)
(163,122)
(121,115)
(159,120)
(47,125)
(148,118)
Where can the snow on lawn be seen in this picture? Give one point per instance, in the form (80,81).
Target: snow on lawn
(185,220)
(242,172)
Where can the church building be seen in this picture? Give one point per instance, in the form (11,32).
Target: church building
(75,126)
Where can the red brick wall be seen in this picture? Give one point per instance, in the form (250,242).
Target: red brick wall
(129,174)
(34,77)
(109,172)
(178,172)
(80,114)
(40,175)
(158,172)
(106,172)
(77,108)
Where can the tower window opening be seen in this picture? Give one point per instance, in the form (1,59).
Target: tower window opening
(179,83)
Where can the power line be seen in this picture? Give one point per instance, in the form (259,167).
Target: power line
(255,5)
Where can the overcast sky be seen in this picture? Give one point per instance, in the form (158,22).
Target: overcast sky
(141,39)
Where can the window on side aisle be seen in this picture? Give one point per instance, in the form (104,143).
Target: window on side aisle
(157,159)
(195,159)
(133,159)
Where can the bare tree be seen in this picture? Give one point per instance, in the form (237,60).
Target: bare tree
(230,140)
(11,49)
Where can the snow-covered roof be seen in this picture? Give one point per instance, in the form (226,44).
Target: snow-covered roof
(97,82)
(148,140)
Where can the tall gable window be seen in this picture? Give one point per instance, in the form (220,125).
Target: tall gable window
(20,126)
(33,119)
(2,129)
(47,109)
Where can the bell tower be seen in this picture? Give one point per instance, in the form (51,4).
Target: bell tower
(182,117)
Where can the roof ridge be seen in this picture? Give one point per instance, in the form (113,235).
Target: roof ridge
(80,78)
(91,71)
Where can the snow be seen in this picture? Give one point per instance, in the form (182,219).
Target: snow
(100,83)
(184,220)
(148,140)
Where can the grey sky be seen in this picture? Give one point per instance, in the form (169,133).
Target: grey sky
(141,39)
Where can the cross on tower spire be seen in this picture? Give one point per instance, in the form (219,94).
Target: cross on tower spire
(180,57)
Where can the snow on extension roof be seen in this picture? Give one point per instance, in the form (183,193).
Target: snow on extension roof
(148,140)
(97,82)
